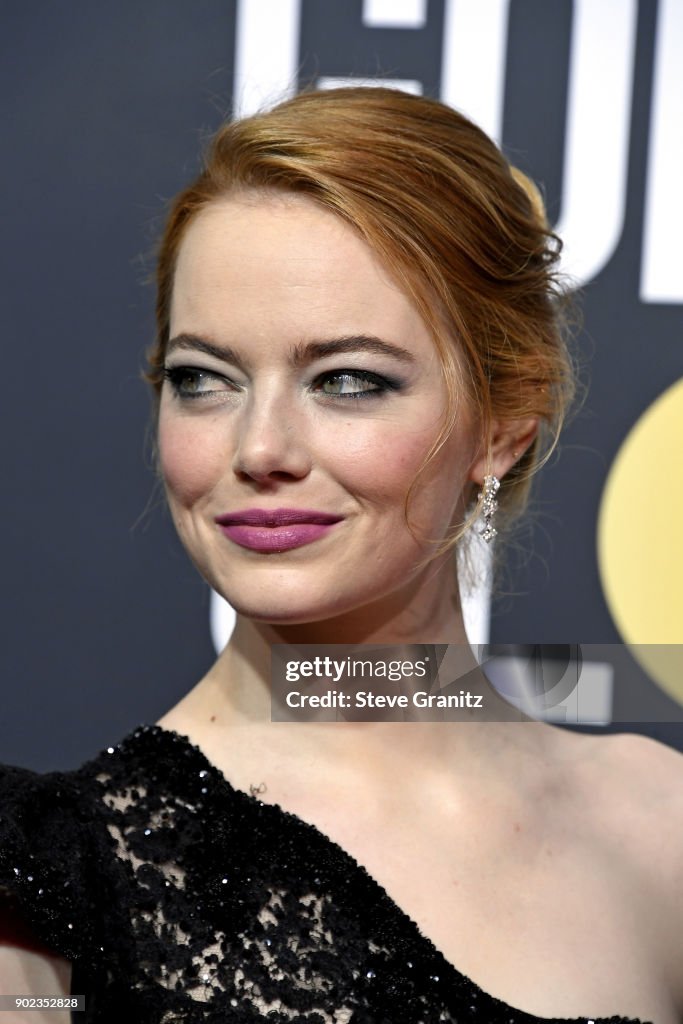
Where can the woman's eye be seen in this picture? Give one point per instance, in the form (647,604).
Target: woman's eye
(189,382)
(353,384)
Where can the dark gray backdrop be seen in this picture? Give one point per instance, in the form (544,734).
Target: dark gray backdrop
(104,109)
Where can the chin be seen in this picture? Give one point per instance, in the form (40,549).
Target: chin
(283,613)
(295,595)
(296,606)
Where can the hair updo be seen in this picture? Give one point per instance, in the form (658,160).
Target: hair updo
(462,232)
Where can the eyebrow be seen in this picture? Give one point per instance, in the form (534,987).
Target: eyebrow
(301,354)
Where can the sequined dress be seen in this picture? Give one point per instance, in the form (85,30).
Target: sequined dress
(181,900)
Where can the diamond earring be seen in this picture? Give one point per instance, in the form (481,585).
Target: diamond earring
(489,506)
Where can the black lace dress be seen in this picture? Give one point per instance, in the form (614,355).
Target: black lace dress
(180,900)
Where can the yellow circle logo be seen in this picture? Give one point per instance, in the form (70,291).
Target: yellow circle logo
(640,540)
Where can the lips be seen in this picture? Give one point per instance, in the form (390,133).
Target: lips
(275,530)
(276,517)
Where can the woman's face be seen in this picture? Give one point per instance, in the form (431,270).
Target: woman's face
(302,394)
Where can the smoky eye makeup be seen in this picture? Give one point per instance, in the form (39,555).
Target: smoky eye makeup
(195,382)
(343,384)
(354,384)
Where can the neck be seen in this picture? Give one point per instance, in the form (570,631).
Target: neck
(427,612)
(237,692)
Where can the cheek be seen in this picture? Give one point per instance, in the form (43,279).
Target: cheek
(378,463)
(437,499)
(189,460)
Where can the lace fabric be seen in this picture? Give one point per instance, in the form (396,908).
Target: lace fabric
(180,900)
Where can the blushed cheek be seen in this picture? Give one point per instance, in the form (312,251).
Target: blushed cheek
(189,465)
(397,463)
(380,466)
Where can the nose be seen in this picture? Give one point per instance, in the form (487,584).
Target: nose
(272,440)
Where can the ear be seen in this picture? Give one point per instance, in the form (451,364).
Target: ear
(508,442)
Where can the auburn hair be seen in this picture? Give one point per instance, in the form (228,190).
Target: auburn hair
(462,232)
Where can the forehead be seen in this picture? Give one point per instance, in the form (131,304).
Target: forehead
(285,259)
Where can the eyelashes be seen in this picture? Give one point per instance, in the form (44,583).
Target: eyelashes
(191,383)
(368,385)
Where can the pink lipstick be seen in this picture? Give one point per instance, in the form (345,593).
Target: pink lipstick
(278,529)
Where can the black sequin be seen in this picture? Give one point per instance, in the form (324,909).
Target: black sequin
(180,900)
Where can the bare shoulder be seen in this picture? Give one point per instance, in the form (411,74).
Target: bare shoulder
(630,788)
(624,798)
(647,774)
(625,791)
(637,787)
(646,751)
(645,823)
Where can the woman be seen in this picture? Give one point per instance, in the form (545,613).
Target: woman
(358,339)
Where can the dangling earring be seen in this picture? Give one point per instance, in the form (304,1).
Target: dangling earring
(489,506)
